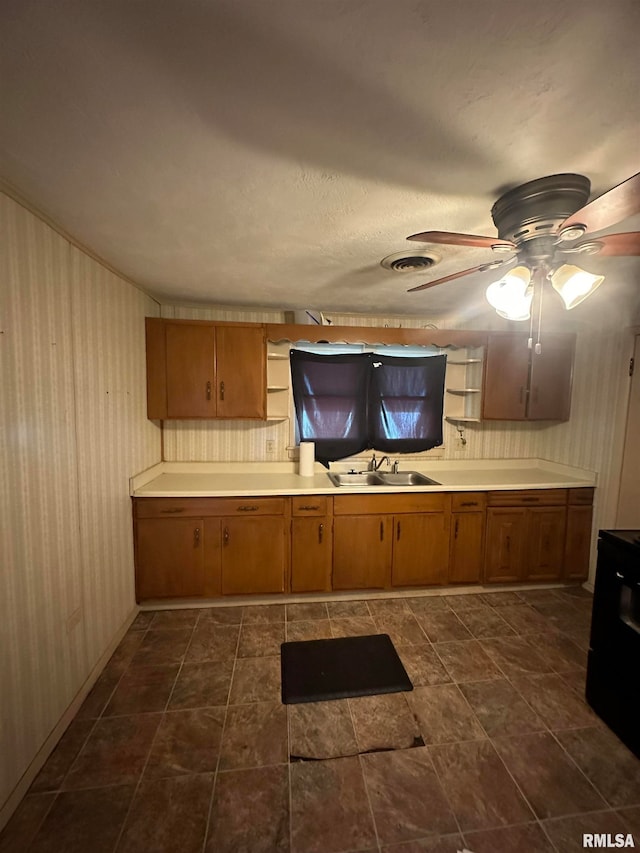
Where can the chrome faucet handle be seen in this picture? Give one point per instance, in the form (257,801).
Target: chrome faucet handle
(395,467)
(372,463)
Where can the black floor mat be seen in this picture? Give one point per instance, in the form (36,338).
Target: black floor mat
(318,670)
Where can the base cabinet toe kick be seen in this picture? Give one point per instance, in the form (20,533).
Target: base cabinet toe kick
(223,546)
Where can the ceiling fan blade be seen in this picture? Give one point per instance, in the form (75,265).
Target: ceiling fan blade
(481,268)
(612,245)
(611,207)
(451,238)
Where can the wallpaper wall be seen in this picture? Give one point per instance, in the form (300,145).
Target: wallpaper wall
(73,429)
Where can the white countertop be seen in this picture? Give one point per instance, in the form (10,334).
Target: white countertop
(214,479)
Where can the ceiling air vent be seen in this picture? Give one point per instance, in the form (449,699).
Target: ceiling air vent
(414,262)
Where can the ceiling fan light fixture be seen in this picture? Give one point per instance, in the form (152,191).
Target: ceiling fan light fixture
(573,284)
(511,296)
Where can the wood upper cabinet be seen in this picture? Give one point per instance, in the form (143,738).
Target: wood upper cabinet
(522,385)
(197,369)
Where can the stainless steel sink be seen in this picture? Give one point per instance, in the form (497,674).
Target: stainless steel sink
(360,478)
(380,478)
(407,478)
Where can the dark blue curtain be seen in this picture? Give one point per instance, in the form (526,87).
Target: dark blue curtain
(348,403)
(330,394)
(406,397)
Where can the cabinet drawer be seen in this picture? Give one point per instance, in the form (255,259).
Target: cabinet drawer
(581,497)
(468,501)
(528,497)
(170,507)
(310,505)
(365,504)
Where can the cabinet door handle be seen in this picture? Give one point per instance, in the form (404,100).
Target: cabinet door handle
(308,508)
(222,390)
(320,533)
(381,531)
(248,508)
(173,510)
(208,390)
(196,537)
(398,533)
(455,531)
(225,536)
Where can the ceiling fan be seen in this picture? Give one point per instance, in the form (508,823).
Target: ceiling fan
(543,226)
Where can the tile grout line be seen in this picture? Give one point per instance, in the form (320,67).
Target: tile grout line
(224,726)
(153,740)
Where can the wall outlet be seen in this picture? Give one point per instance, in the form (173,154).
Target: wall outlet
(270,445)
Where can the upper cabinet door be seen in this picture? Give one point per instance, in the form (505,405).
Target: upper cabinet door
(205,370)
(551,376)
(241,372)
(190,371)
(506,378)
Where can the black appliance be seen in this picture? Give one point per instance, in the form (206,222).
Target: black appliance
(613,668)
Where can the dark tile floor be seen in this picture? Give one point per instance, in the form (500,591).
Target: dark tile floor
(183,743)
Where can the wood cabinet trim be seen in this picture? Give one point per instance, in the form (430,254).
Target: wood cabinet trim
(528,497)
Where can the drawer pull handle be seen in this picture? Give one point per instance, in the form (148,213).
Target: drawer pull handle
(248,508)
(469,503)
(173,509)
(320,533)
(455,532)
(222,390)
(208,390)
(308,508)
(225,536)
(398,533)
(196,537)
(381,531)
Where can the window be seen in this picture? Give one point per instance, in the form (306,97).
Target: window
(352,401)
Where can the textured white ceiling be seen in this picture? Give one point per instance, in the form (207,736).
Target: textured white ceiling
(245,152)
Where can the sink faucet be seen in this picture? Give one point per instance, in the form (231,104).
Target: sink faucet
(375,466)
(395,467)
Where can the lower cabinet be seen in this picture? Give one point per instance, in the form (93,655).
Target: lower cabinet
(466,551)
(206,547)
(311,543)
(525,535)
(404,543)
(420,546)
(170,558)
(577,546)
(253,555)
(362,551)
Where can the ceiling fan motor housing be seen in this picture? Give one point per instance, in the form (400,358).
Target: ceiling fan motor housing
(536,209)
